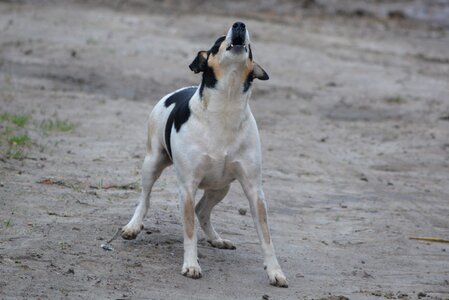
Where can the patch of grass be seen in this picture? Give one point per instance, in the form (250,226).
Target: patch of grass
(13,138)
(57,125)
(395,100)
(19,120)
(15,143)
(19,140)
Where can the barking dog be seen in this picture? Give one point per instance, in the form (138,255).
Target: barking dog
(210,136)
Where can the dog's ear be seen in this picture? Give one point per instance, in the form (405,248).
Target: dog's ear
(199,64)
(260,73)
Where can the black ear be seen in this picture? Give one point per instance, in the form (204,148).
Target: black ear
(199,64)
(259,73)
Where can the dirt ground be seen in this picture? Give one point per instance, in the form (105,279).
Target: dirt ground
(354,123)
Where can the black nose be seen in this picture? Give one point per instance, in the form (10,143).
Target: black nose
(239,26)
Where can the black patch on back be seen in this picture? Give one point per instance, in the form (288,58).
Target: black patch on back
(180,113)
(248,81)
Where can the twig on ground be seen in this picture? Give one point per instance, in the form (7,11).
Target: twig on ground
(78,185)
(430,239)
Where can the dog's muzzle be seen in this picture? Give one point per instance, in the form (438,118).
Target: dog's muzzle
(238,37)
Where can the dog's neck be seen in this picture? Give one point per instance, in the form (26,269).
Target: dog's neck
(227,95)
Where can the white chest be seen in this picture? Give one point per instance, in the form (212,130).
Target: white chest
(218,171)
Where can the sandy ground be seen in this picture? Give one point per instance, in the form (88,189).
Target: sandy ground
(355,134)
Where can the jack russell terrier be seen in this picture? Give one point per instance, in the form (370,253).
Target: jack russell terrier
(210,136)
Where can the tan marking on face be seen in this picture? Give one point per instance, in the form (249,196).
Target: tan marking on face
(189,221)
(262,215)
(249,66)
(214,63)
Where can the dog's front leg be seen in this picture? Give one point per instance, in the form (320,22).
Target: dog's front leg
(190,268)
(252,187)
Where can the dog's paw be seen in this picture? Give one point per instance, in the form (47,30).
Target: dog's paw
(277,278)
(130,231)
(222,244)
(192,271)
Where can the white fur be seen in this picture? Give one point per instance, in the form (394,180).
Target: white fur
(217,145)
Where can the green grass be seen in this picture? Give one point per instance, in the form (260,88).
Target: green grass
(13,144)
(14,140)
(57,125)
(19,140)
(16,144)
(19,120)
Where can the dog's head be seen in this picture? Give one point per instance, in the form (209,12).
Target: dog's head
(230,55)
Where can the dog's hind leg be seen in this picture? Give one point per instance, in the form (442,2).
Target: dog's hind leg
(203,210)
(153,165)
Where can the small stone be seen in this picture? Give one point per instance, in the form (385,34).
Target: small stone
(265,297)
(421,295)
(242,211)
(106,247)
(70,271)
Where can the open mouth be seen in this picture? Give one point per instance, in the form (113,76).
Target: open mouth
(237,43)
